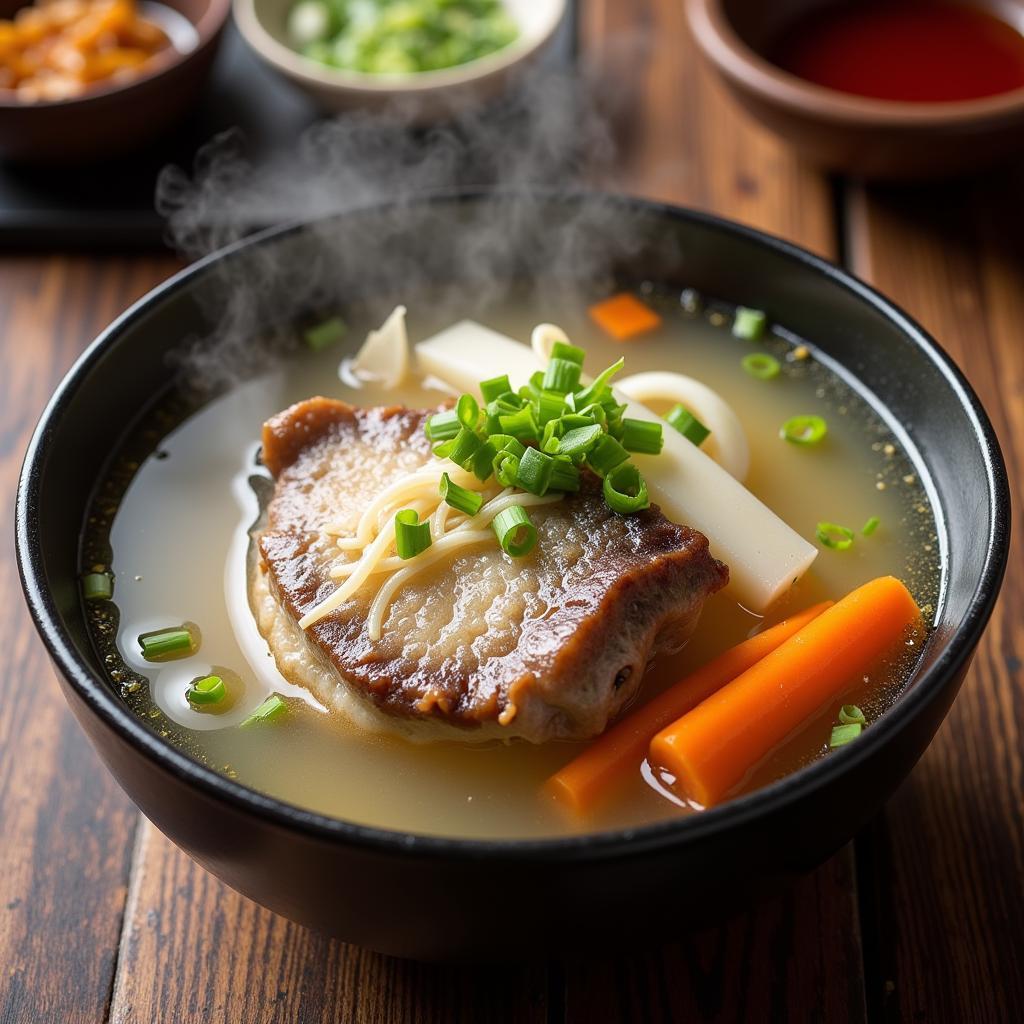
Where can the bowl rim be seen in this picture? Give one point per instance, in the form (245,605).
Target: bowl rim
(745,68)
(208,26)
(419,83)
(95,692)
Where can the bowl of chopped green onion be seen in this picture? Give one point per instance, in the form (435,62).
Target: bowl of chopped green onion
(425,58)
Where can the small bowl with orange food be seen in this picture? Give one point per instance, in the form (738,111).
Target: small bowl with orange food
(887,89)
(89,79)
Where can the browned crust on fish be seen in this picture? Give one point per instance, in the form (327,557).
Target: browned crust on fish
(571,670)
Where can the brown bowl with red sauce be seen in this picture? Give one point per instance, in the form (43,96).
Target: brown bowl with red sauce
(85,80)
(886,89)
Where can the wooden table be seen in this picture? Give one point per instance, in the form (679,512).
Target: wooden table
(919,919)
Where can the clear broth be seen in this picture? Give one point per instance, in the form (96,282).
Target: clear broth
(178,538)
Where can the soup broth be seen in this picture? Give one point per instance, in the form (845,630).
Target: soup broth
(177,541)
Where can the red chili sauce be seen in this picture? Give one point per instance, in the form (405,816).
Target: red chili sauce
(909,50)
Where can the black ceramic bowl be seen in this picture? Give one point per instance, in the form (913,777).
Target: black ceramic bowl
(439,898)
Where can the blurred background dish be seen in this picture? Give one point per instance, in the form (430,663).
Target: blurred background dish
(91,80)
(275,32)
(901,90)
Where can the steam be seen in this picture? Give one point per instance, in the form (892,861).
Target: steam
(552,127)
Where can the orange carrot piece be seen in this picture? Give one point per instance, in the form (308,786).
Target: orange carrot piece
(711,749)
(589,778)
(624,316)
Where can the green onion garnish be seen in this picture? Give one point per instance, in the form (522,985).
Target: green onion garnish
(870,526)
(761,365)
(625,490)
(565,476)
(749,323)
(593,392)
(606,455)
(580,440)
(270,710)
(468,411)
(482,463)
(535,469)
(495,388)
(520,424)
(549,406)
(460,498)
(562,375)
(842,734)
(515,532)
(168,644)
(642,436)
(563,350)
(839,538)
(208,690)
(326,334)
(411,536)
(442,426)
(850,714)
(803,429)
(97,586)
(464,447)
(687,424)
(506,468)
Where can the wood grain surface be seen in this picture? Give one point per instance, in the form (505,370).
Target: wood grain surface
(101,918)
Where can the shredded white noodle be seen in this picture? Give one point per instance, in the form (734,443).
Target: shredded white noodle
(373,541)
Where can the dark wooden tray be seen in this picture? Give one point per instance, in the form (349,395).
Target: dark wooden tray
(111,205)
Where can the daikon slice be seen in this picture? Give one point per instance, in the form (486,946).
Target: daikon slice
(384,356)
(765,556)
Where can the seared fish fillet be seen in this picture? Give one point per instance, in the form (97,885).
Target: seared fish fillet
(547,646)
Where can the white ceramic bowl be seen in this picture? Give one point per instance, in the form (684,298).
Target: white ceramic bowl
(422,96)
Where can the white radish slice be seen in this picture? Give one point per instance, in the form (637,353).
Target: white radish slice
(727,443)
(384,357)
(765,556)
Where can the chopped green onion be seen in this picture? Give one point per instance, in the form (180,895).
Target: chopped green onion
(460,498)
(508,443)
(97,586)
(168,644)
(208,690)
(482,463)
(595,412)
(687,424)
(850,714)
(506,468)
(803,429)
(549,405)
(594,391)
(563,350)
(535,469)
(606,455)
(565,476)
(520,424)
(442,426)
(411,536)
(834,536)
(468,411)
(515,532)
(562,375)
(761,365)
(464,447)
(495,388)
(642,436)
(580,440)
(625,490)
(270,710)
(749,323)
(842,734)
(326,334)
(870,526)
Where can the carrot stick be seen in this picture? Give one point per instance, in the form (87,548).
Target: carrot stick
(712,748)
(624,316)
(591,776)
